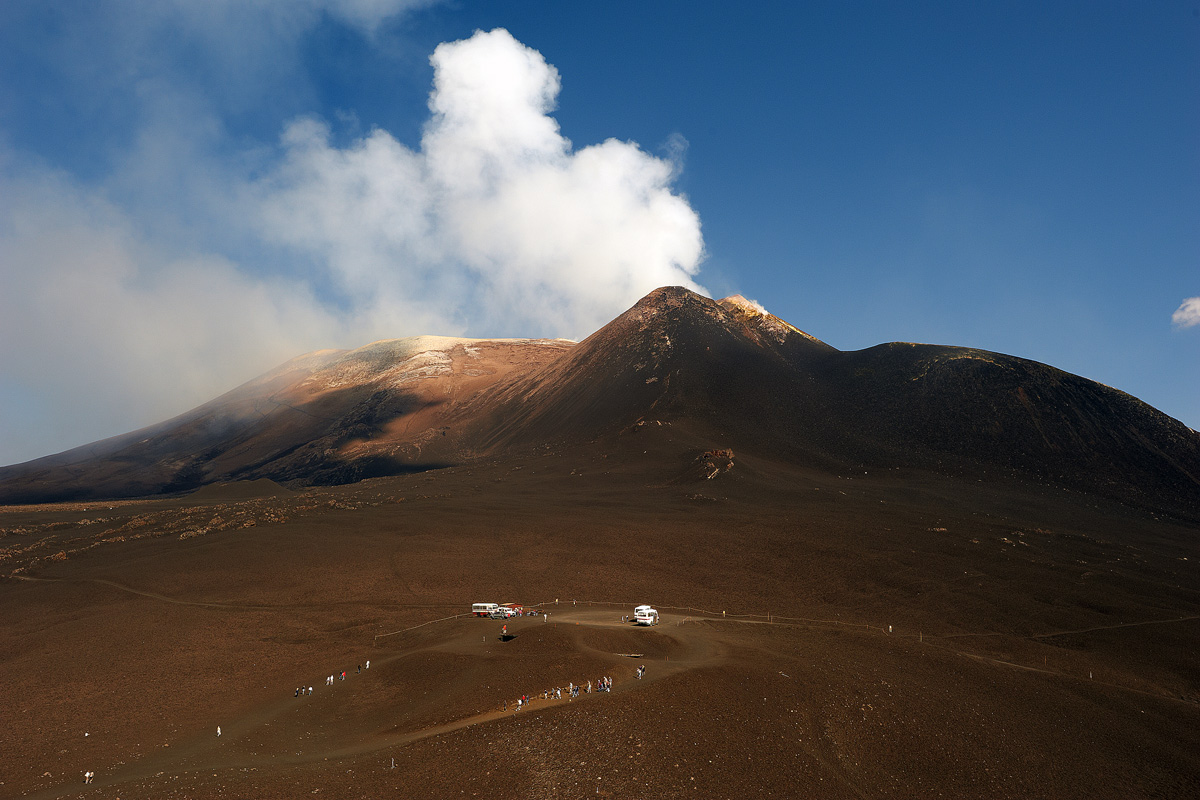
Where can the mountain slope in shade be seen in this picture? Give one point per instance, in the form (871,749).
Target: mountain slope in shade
(727,372)
(751,381)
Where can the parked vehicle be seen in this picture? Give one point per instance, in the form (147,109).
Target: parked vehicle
(483,609)
(645,615)
(513,609)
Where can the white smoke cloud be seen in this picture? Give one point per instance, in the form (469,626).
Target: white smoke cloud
(134,296)
(497,222)
(757,306)
(1188,313)
(104,332)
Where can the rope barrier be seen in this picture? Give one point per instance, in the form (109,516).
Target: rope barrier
(768,617)
(379,636)
(771,618)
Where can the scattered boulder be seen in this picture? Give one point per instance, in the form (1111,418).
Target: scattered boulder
(713,463)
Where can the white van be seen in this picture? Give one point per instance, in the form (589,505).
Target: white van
(645,615)
(483,609)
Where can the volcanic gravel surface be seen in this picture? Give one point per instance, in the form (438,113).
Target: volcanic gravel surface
(893,634)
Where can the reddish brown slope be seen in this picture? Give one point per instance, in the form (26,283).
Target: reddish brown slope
(726,370)
(329,417)
(756,383)
(674,356)
(1042,646)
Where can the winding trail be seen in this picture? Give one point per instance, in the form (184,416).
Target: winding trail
(1113,627)
(701,645)
(153,595)
(202,753)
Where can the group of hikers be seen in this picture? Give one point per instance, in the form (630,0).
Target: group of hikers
(330,679)
(604,684)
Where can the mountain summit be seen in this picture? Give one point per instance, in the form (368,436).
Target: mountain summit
(721,371)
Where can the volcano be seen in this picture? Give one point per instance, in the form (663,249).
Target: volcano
(724,369)
(902,572)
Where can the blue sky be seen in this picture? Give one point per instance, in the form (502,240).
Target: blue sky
(191,193)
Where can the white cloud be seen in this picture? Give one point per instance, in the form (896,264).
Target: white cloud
(174,275)
(496,221)
(104,332)
(1188,313)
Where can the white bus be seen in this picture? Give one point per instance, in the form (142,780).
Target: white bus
(483,609)
(645,615)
